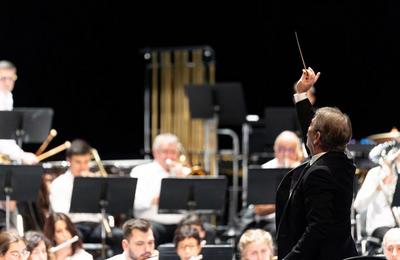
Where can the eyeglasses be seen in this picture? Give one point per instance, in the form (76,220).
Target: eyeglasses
(185,247)
(4,78)
(24,254)
(282,149)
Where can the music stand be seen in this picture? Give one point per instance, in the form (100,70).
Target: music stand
(209,252)
(224,99)
(278,119)
(199,194)
(263,184)
(36,123)
(20,183)
(10,122)
(113,195)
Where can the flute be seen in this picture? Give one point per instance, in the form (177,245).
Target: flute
(64,244)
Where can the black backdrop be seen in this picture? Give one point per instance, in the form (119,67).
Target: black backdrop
(82,58)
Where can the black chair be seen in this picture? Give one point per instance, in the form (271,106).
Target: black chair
(278,119)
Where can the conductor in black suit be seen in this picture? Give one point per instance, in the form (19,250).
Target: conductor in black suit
(313,201)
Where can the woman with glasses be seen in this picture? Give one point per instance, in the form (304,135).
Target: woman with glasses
(37,244)
(187,243)
(59,229)
(12,246)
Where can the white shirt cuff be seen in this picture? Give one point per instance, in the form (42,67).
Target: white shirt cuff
(300,96)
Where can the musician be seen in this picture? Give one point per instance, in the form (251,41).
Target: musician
(8,147)
(287,151)
(37,244)
(187,243)
(288,154)
(12,246)
(79,156)
(256,244)
(375,197)
(313,201)
(59,228)
(166,152)
(138,242)
(206,231)
(391,244)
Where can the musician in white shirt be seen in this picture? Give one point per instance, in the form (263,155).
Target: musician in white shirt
(138,242)
(166,152)
(79,156)
(9,147)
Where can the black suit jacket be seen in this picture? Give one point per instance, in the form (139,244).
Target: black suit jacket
(313,205)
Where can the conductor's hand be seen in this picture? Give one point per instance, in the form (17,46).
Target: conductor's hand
(306,81)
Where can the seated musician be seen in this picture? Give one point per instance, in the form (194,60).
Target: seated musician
(375,197)
(12,246)
(9,150)
(37,244)
(138,242)
(288,154)
(166,152)
(79,156)
(391,244)
(58,228)
(207,232)
(256,244)
(187,243)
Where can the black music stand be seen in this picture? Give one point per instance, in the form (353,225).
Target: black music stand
(226,100)
(20,183)
(263,184)
(278,119)
(10,124)
(209,252)
(36,123)
(113,195)
(199,194)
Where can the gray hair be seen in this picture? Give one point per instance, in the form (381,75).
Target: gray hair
(5,64)
(166,138)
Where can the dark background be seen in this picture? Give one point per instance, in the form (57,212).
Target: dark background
(82,58)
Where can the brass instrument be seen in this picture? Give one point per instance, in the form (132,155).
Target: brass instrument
(4,159)
(54,151)
(99,163)
(46,142)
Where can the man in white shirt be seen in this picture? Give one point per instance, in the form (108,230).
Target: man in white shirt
(287,151)
(375,197)
(166,152)
(8,147)
(79,156)
(288,154)
(138,242)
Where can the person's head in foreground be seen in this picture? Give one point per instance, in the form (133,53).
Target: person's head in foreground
(391,244)
(12,246)
(187,242)
(138,242)
(256,244)
(37,244)
(59,228)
